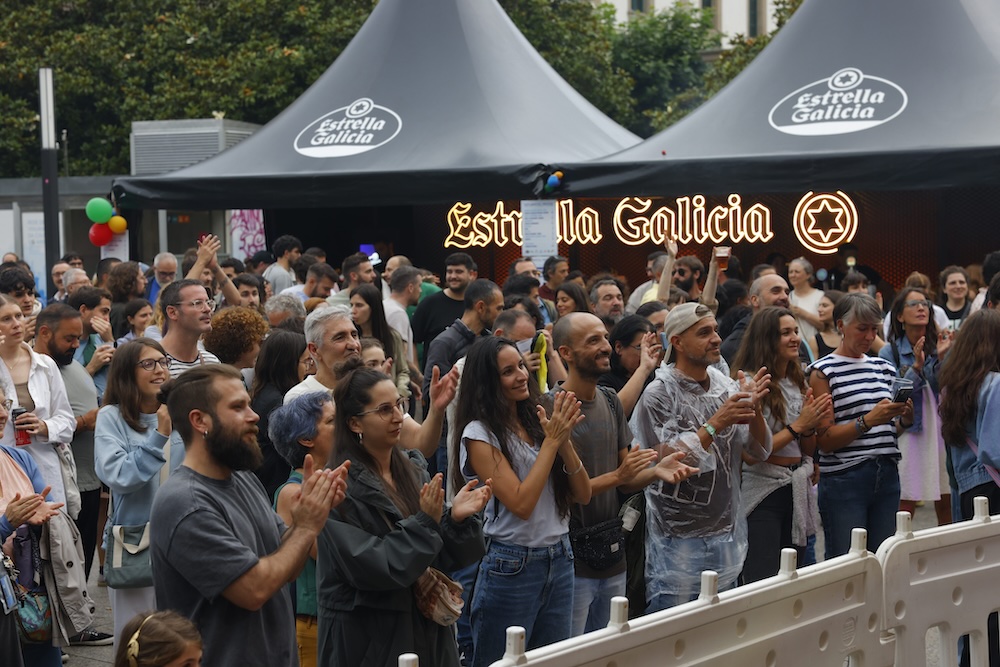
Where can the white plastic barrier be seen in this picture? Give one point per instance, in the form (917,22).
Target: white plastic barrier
(817,616)
(942,577)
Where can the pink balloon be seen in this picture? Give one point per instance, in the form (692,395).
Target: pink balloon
(100,234)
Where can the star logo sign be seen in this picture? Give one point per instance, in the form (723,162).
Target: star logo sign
(824,221)
(845,79)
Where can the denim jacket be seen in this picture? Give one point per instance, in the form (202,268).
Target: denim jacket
(903,361)
(985,431)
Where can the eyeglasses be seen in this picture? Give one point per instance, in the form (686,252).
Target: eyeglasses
(150,364)
(166,275)
(918,302)
(385,411)
(198,304)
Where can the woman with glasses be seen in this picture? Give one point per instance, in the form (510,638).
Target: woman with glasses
(635,353)
(392,525)
(282,363)
(915,348)
(502,434)
(129,450)
(368,313)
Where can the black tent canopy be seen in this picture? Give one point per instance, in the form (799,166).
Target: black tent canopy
(850,95)
(431,101)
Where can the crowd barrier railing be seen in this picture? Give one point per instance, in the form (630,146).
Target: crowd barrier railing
(860,609)
(945,578)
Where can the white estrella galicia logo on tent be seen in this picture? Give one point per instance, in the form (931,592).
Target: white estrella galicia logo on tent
(849,101)
(359,127)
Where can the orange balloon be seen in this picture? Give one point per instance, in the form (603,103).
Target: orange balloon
(117,224)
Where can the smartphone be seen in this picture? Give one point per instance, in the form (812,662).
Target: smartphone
(902,394)
(663,340)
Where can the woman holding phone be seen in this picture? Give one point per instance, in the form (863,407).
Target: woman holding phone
(859,482)
(915,348)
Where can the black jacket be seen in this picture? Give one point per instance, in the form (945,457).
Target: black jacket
(367,612)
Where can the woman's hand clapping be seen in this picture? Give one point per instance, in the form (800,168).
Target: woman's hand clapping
(470,500)
(565,415)
(432,498)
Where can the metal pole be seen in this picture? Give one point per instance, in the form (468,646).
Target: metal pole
(50,172)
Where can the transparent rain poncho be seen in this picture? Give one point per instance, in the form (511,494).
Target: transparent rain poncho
(694,525)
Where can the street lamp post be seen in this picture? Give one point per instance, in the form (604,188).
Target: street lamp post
(50,172)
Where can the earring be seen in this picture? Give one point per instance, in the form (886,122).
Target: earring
(206,433)
(361,438)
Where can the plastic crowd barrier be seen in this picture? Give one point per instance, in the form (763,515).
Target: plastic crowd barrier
(858,609)
(943,577)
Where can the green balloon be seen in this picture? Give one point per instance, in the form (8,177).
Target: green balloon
(99,210)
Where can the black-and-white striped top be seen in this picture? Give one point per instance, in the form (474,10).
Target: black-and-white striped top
(857,385)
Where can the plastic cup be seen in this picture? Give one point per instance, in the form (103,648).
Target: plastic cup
(722,254)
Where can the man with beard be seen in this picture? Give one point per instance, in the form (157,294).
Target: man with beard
(331,339)
(603,441)
(356,270)
(221,556)
(712,420)
(687,272)
(609,304)
(59,331)
(768,290)
(436,312)
(187,314)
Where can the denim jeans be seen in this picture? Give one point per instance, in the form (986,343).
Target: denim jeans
(527,586)
(592,602)
(863,496)
(463,628)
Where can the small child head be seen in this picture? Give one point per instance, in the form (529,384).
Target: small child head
(372,352)
(159,639)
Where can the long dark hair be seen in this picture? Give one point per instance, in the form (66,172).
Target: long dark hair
(627,329)
(972,356)
(481,399)
(380,327)
(352,395)
(122,389)
(760,348)
(278,361)
(898,331)
(579,296)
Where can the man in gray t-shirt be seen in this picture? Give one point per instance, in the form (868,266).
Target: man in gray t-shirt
(221,556)
(603,442)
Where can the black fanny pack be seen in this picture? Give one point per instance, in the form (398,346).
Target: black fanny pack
(599,546)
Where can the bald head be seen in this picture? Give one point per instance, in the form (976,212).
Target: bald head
(769,290)
(569,327)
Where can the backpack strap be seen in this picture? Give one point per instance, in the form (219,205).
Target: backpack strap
(994,475)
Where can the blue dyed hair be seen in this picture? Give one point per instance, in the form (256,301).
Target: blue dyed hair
(295,421)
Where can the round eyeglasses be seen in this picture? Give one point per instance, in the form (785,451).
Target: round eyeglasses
(385,411)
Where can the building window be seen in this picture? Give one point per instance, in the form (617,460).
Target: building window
(638,5)
(753,21)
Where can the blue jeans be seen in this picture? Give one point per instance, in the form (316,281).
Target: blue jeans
(864,496)
(592,602)
(527,586)
(463,628)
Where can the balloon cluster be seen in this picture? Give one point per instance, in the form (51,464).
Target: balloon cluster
(106,223)
(554,181)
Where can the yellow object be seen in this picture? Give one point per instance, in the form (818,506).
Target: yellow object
(117,224)
(543,371)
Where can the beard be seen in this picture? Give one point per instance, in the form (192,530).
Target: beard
(228,447)
(589,368)
(61,358)
(685,283)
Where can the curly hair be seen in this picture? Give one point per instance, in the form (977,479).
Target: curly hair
(122,280)
(234,332)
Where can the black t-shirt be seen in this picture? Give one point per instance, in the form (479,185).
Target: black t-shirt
(435,314)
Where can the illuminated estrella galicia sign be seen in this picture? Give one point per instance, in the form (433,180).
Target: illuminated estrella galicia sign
(359,127)
(848,101)
(822,222)
(635,222)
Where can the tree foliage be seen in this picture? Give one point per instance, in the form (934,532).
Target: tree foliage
(662,53)
(724,69)
(117,62)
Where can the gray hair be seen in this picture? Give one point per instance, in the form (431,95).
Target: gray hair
(659,263)
(806,266)
(601,283)
(285,303)
(162,256)
(72,275)
(857,306)
(318,319)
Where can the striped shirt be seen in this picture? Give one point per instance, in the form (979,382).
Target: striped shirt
(179,366)
(857,385)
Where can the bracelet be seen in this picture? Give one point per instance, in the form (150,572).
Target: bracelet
(575,471)
(710,430)
(795,435)
(861,426)
(864,424)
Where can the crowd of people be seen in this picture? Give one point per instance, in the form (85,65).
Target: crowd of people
(352,464)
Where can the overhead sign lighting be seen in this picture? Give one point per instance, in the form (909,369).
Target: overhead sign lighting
(823,221)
